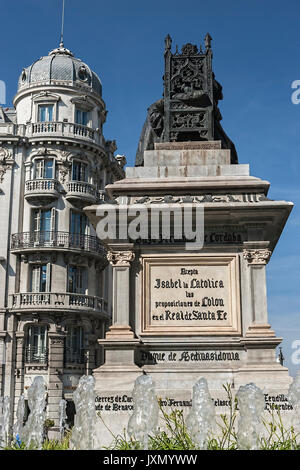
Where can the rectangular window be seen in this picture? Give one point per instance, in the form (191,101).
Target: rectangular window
(44,225)
(78,223)
(45,113)
(40,278)
(44,168)
(74,344)
(81,117)
(77,280)
(79,171)
(36,344)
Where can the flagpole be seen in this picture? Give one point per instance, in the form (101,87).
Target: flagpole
(62,24)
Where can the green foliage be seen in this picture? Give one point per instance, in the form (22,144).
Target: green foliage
(49,423)
(48,444)
(176,436)
(53,444)
(173,435)
(278,437)
(228,439)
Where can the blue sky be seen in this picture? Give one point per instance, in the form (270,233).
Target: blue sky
(256,47)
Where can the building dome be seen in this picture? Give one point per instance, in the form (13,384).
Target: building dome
(60,67)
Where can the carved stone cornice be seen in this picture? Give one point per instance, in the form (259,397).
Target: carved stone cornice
(120,258)
(204,198)
(39,257)
(257,256)
(56,340)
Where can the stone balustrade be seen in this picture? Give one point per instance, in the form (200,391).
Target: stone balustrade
(42,188)
(59,129)
(58,300)
(81,190)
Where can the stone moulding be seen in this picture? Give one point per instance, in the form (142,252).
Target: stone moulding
(209,266)
(120,258)
(206,198)
(257,256)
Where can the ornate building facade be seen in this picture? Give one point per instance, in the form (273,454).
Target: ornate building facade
(54,278)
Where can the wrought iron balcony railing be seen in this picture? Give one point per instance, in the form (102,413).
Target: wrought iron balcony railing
(55,239)
(58,300)
(74,356)
(36,355)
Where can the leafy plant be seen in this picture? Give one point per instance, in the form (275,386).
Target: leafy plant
(173,434)
(278,436)
(49,423)
(176,436)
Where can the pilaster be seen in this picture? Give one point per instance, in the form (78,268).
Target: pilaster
(257,256)
(56,365)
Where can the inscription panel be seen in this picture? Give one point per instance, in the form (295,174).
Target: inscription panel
(192,295)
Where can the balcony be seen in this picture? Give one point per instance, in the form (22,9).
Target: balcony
(55,301)
(35,355)
(80,192)
(55,129)
(61,241)
(41,189)
(64,129)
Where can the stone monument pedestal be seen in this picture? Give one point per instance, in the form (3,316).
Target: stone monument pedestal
(180,314)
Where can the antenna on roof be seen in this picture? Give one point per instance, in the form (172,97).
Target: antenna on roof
(62,24)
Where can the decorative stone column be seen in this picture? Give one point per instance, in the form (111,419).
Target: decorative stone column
(257,256)
(119,343)
(56,368)
(120,261)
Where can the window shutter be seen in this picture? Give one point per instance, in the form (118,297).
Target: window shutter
(44,337)
(29,337)
(85,281)
(48,278)
(50,113)
(40,168)
(36,220)
(35,278)
(53,220)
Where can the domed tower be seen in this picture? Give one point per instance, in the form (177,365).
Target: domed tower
(55,290)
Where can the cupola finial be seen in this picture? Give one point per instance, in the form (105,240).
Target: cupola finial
(61,44)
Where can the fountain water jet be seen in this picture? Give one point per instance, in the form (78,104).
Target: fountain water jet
(294,397)
(201,419)
(4,422)
(251,402)
(33,431)
(85,433)
(62,418)
(18,427)
(144,418)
